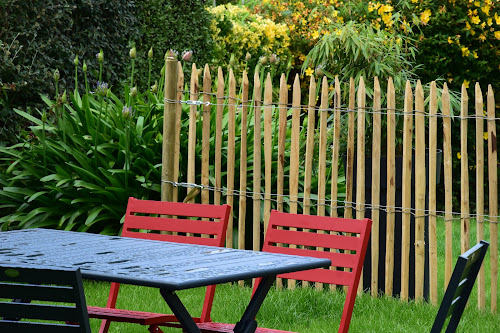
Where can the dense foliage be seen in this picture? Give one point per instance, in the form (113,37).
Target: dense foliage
(37,37)
(244,40)
(81,159)
(171,24)
(457,40)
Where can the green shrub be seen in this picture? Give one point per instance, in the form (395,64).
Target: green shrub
(81,159)
(243,40)
(172,24)
(36,37)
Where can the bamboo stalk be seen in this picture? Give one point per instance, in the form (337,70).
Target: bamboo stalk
(218,136)
(257,160)
(480,189)
(419,192)
(493,196)
(445,105)
(432,193)
(376,150)
(282,110)
(207,90)
(323,118)
(178,112)
(349,173)
(360,176)
(169,112)
(268,148)
(294,156)
(391,187)
(407,166)
(231,153)
(191,167)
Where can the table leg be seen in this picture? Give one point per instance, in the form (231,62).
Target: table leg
(180,311)
(248,324)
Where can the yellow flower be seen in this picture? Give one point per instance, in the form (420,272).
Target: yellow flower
(414,1)
(497,34)
(315,34)
(425,16)
(482,37)
(489,21)
(497,18)
(475,19)
(387,19)
(309,71)
(477,4)
(450,41)
(459,156)
(385,9)
(485,135)
(486,10)
(474,54)
(466,83)
(465,51)
(302,57)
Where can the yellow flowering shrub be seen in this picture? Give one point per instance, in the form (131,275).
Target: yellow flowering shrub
(243,38)
(456,39)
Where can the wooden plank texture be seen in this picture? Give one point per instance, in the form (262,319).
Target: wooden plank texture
(419,192)
(231,152)
(391,187)
(433,265)
(447,160)
(493,194)
(376,152)
(479,105)
(257,160)
(407,165)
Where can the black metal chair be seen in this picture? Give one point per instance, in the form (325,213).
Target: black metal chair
(459,289)
(48,288)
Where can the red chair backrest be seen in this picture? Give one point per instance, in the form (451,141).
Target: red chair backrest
(186,222)
(343,241)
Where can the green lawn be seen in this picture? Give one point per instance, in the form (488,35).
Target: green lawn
(306,310)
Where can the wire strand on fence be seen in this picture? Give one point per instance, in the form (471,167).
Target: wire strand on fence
(343,108)
(329,203)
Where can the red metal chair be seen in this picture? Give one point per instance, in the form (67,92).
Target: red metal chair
(174,218)
(343,241)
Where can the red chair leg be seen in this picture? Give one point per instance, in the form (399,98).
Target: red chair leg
(154,329)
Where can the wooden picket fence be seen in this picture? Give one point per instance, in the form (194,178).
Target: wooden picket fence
(324,121)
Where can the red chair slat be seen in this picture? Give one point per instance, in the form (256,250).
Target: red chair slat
(340,242)
(138,217)
(347,260)
(169,224)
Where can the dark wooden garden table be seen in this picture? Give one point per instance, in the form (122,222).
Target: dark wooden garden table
(164,265)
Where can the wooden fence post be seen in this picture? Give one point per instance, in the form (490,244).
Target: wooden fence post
(493,194)
(407,166)
(391,187)
(169,112)
(178,112)
(375,195)
(257,160)
(360,158)
(433,290)
(448,217)
(207,89)
(419,192)
(218,136)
